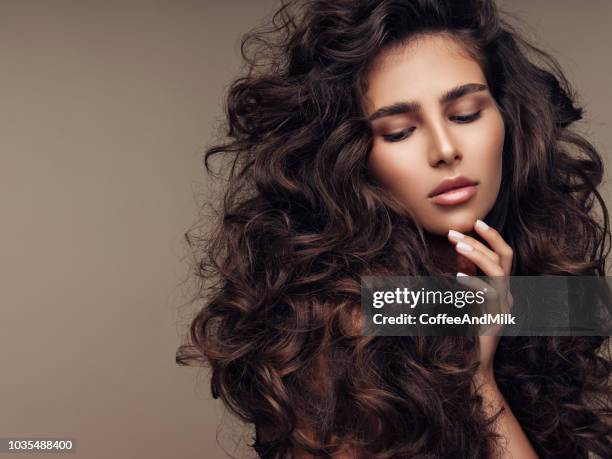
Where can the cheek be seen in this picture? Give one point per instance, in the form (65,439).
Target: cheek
(396,170)
(400,173)
(489,148)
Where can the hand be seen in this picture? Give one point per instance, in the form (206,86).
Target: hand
(496,262)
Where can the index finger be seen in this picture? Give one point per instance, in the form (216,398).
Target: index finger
(497,243)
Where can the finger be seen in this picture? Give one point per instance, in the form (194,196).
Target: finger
(502,285)
(498,300)
(495,293)
(497,243)
(486,265)
(456,236)
(473,283)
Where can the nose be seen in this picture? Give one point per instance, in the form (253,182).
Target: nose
(443,148)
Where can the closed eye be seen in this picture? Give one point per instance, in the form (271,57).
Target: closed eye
(467,118)
(401,135)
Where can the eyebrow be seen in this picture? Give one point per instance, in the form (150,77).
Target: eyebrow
(414,107)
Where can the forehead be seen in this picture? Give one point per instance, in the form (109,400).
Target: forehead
(425,67)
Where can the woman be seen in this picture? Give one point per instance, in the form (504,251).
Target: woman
(351,116)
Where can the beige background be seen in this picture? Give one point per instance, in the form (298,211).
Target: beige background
(106,109)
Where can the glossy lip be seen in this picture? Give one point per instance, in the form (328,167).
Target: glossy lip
(455,196)
(449,183)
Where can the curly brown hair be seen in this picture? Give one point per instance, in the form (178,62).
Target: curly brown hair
(301,221)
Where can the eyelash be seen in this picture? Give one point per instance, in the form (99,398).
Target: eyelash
(406,132)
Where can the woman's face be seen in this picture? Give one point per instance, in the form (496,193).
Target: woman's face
(433,118)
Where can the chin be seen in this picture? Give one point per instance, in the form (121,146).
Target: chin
(462,222)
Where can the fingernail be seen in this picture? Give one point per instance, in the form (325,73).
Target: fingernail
(463,247)
(461,274)
(455,235)
(482,225)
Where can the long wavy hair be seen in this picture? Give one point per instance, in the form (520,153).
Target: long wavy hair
(301,221)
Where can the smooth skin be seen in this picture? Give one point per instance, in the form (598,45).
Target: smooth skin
(413,151)
(442,137)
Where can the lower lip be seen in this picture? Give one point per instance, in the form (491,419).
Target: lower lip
(455,196)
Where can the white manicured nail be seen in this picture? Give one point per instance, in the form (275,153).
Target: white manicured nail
(463,247)
(461,274)
(455,235)
(482,225)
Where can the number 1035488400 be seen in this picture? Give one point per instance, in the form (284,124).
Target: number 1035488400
(15,445)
